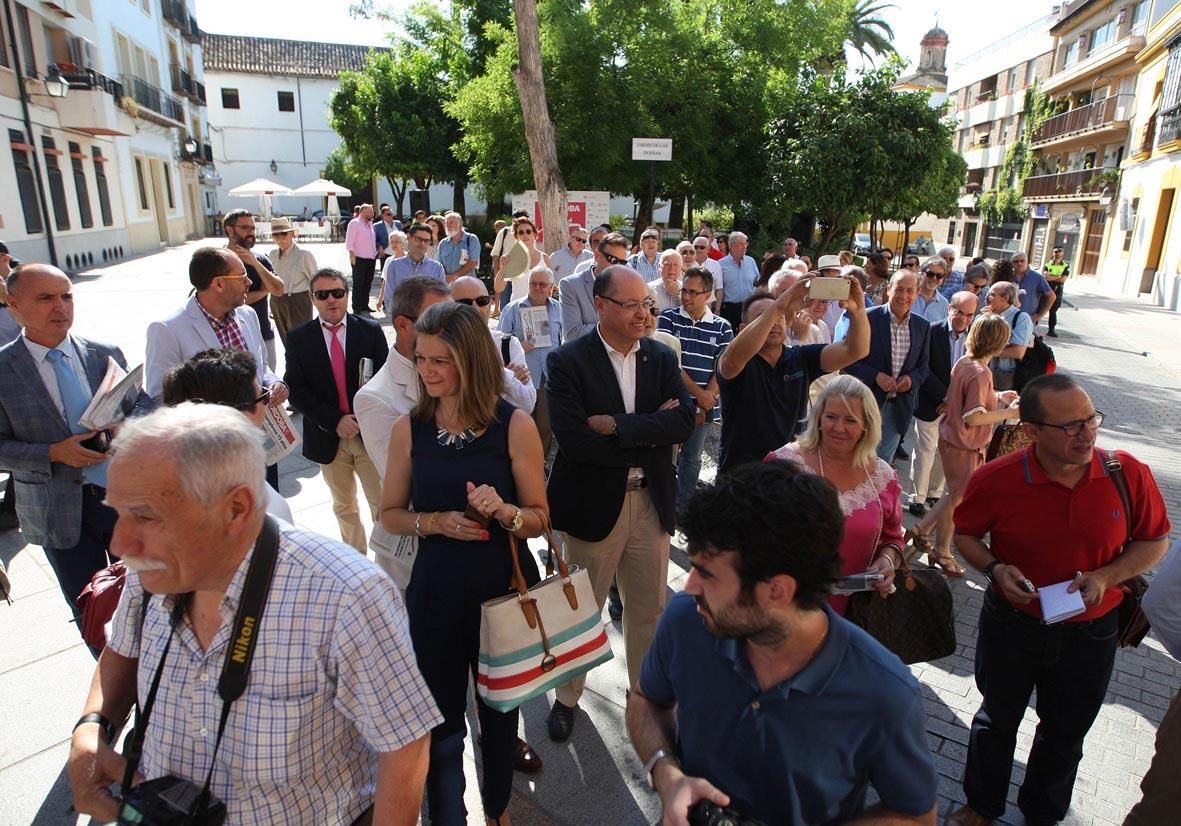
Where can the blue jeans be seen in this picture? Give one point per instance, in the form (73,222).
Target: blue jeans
(506,297)
(689,465)
(891,434)
(1070,665)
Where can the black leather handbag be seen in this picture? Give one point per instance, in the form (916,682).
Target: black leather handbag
(916,622)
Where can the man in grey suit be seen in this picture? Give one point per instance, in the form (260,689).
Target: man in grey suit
(47,378)
(214,317)
(579,315)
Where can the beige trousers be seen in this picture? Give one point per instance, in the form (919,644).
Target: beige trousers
(635,554)
(341,477)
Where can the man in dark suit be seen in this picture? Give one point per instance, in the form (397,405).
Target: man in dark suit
(897,363)
(617,405)
(324,374)
(47,378)
(948,338)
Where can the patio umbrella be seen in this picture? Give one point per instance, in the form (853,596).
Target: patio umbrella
(263,189)
(324,187)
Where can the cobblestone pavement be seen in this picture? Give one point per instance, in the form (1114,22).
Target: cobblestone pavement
(1126,353)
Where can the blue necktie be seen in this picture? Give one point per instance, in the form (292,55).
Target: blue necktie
(75,401)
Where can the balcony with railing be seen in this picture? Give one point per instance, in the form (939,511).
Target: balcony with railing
(208,153)
(1086,184)
(92,104)
(199,93)
(182,81)
(153,102)
(1170,127)
(174,13)
(1111,113)
(192,31)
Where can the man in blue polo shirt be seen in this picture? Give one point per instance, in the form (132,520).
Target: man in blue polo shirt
(764,383)
(703,335)
(755,695)
(1036,295)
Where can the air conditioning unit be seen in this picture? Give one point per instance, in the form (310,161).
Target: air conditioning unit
(82,53)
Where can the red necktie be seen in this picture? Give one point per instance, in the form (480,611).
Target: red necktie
(336,353)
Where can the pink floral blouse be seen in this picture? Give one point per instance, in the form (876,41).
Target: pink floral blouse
(876,503)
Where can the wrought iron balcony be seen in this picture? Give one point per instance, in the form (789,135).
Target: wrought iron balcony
(1086,119)
(1080,183)
(199,93)
(192,32)
(174,13)
(182,81)
(1170,127)
(154,100)
(90,79)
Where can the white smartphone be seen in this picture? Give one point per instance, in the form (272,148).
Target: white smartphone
(857,582)
(829,289)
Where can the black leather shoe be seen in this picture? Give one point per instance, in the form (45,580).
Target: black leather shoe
(901,455)
(1051,334)
(525,759)
(918,509)
(560,724)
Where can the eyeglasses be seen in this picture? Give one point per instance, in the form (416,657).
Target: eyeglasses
(702,247)
(422,239)
(244,407)
(631,306)
(1092,423)
(611,259)
(481,300)
(521,232)
(323,295)
(578,240)
(694,293)
(933,274)
(234,277)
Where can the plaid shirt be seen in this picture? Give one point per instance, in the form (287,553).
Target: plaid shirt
(229,334)
(333,682)
(899,343)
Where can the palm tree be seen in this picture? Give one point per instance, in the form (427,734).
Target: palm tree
(869,34)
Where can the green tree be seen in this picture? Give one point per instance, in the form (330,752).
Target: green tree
(870,35)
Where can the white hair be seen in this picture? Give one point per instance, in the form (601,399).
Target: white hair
(782,276)
(667,254)
(398,234)
(795,265)
(686,244)
(738,236)
(704,238)
(942,250)
(452,214)
(543,268)
(214,449)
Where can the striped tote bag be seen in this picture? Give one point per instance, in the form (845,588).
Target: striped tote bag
(538,638)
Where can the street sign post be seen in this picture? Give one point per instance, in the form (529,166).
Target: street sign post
(652,149)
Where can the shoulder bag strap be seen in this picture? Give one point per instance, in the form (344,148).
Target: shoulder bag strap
(1116,471)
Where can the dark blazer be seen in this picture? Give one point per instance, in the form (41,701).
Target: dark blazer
(309,378)
(586,485)
(934,389)
(879,361)
(48,494)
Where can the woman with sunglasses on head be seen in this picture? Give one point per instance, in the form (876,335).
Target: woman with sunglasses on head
(438,233)
(470,465)
(972,407)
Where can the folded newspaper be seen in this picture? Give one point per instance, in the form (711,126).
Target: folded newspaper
(106,408)
(281,437)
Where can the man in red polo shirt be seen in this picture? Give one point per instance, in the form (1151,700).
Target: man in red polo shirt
(1052,515)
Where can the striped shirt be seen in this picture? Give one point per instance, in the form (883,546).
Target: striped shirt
(334,681)
(899,343)
(702,341)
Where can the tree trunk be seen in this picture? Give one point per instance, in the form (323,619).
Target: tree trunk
(495,207)
(458,201)
(676,213)
(539,128)
(905,237)
(689,225)
(399,195)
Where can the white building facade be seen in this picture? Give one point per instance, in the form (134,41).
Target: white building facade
(114,167)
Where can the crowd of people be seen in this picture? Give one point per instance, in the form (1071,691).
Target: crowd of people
(574,391)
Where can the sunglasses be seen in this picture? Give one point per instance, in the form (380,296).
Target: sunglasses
(938,276)
(480,300)
(578,240)
(700,248)
(323,295)
(521,232)
(244,407)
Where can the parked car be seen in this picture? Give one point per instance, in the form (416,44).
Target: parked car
(861,244)
(921,246)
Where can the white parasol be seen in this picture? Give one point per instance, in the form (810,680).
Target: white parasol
(263,189)
(324,187)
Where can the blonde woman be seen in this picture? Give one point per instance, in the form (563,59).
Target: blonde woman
(972,408)
(462,448)
(840,444)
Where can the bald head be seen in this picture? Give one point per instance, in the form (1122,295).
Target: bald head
(468,289)
(31,274)
(42,296)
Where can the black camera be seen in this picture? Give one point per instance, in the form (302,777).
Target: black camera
(705,813)
(169,801)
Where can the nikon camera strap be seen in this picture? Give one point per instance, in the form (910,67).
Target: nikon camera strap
(236,668)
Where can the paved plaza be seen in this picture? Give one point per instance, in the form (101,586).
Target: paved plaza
(1127,354)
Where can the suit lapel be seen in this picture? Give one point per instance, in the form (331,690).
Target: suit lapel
(201,325)
(27,376)
(602,362)
(92,362)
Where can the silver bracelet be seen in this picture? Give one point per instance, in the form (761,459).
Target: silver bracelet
(417,526)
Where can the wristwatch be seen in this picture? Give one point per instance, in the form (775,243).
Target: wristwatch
(515,525)
(660,754)
(989,568)
(107,727)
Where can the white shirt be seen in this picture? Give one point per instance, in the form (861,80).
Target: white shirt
(49,377)
(624,365)
(392,392)
(520,394)
(328,334)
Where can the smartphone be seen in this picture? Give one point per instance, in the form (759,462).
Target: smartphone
(857,582)
(829,289)
(471,513)
(100,442)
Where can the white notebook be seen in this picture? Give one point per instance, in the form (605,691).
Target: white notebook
(1059,604)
